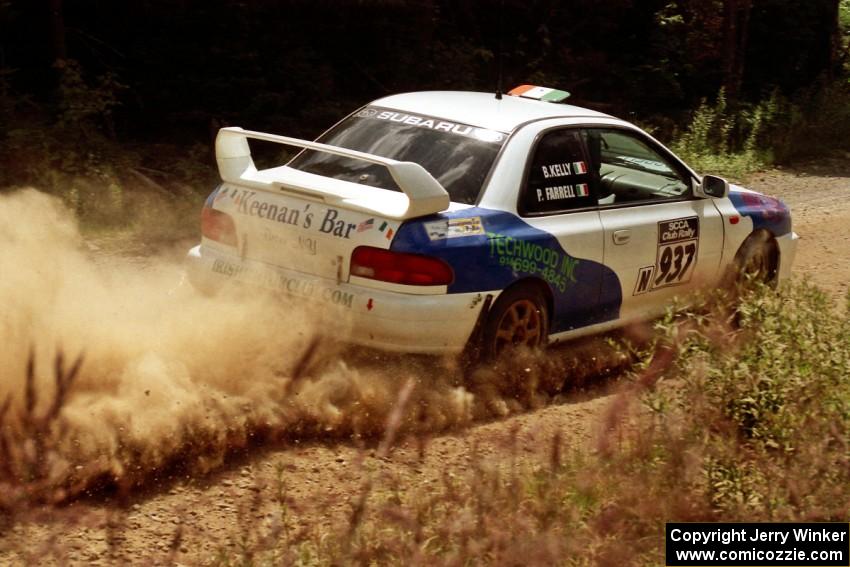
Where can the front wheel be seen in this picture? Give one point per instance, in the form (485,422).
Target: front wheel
(519,318)
(755,262)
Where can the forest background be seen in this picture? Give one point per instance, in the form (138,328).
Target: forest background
(99,98)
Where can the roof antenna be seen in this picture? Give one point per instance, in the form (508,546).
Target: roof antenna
(499,53)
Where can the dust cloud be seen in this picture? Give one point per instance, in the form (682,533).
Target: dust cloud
(170,377)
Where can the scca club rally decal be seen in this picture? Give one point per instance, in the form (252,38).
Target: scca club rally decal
(678,243)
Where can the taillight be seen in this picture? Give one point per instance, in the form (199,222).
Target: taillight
(218,226)
(398,267)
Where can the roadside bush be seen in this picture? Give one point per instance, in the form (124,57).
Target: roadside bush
(723,141)
(816,124)
(737,141)
(769,408)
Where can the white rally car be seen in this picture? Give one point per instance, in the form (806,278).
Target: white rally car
(437,220)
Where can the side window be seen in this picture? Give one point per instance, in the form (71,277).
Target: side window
(558,179)
(628,169)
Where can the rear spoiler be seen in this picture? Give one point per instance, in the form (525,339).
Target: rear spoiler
(423,195)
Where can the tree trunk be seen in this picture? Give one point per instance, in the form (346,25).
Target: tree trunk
(57,29)
(736,22)
(837,52)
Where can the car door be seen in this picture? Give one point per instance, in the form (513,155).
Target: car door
(556,200)
(659,239)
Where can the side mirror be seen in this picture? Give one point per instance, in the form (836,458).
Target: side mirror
(712,186)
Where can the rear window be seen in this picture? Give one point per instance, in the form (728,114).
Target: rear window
(459,156)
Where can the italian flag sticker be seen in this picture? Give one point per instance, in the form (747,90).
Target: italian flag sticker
(579,167)
(582,190)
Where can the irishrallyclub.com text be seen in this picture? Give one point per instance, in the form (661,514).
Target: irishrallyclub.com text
(763,544)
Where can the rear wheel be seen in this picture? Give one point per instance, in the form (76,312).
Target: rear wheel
(519,318)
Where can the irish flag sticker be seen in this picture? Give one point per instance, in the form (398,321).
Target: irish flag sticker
(539,93)
(582,190)
(579,167)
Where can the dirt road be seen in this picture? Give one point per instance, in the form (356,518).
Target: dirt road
(819,197)
(320,481)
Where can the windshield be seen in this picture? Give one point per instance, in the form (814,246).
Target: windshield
(459,156)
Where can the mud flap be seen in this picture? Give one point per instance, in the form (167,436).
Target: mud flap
(472,351)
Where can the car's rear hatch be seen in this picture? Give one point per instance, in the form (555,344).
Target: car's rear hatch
(312,223)
(305,234)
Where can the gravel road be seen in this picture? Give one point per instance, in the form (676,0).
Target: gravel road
(322,480)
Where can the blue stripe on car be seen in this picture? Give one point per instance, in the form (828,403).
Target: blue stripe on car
(211,198)
(766,212)
(584,292)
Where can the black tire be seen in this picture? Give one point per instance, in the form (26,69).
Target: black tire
(519,317)
(755,262)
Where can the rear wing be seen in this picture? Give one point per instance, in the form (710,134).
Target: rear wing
(422,194)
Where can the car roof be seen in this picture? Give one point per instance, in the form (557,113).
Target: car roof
(483,110)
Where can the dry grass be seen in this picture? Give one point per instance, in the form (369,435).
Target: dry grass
(28,437)
(718,422)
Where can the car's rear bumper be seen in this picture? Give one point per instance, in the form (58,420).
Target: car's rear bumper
(787,251)
(376,318)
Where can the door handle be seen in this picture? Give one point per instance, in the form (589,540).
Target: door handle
(622,236)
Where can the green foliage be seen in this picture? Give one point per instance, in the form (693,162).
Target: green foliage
(844,26)
(688,41)
(815,123)
(799,362)
(735,142)
(769,407)
(724,142)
